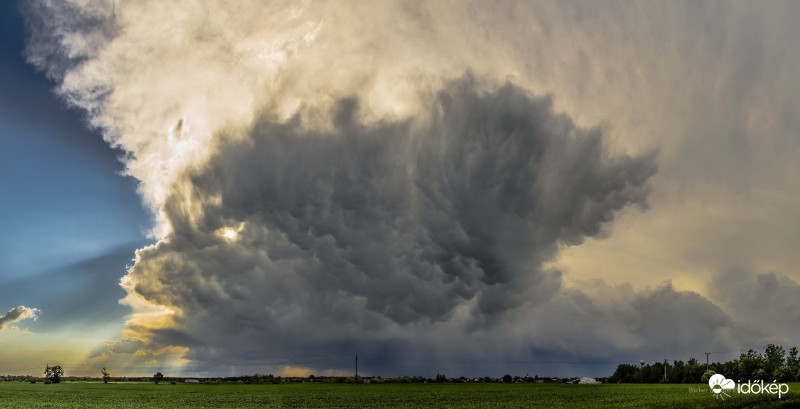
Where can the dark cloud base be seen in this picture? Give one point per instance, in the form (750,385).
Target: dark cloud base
(377,232)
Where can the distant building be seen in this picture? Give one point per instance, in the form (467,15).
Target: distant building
(588,381)
(191,381)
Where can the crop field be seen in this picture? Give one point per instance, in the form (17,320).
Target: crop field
(146,395)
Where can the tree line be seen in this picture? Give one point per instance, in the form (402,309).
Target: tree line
(773,365)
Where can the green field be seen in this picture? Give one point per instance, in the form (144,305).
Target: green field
(144,395)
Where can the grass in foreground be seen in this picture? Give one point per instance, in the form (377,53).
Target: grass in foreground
(140,395)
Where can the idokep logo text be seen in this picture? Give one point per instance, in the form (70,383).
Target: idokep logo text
(720,386)
(760,387)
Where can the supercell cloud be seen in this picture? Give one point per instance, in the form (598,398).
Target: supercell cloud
(374,230)
(329,178)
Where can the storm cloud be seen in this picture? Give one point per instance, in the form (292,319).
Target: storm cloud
(419,177)
(367,228)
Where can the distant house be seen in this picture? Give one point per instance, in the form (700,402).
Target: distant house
(588,381)
(191,381)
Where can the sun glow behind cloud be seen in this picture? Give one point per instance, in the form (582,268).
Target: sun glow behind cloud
(229,233)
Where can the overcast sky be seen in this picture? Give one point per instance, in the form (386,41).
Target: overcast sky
(463,187)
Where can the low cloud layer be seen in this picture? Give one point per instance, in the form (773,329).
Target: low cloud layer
(766,304)
(17,314)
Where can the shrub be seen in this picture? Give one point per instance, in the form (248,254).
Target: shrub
(707,375)
(784,374)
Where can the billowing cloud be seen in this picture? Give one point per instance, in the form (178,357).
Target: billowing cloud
(17,314)
(376,228)
(397,176)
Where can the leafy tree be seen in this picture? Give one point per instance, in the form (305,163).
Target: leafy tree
(793,362)
(749,363)
(507,378)
(106,375)
(625,373)
(53,373)
(730,369)
(694,373)
(440,378)
(773,359)
(158,377)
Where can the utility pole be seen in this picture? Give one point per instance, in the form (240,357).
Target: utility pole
(707,353)
(665,370)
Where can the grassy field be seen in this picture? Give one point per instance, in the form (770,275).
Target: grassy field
(144,395)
